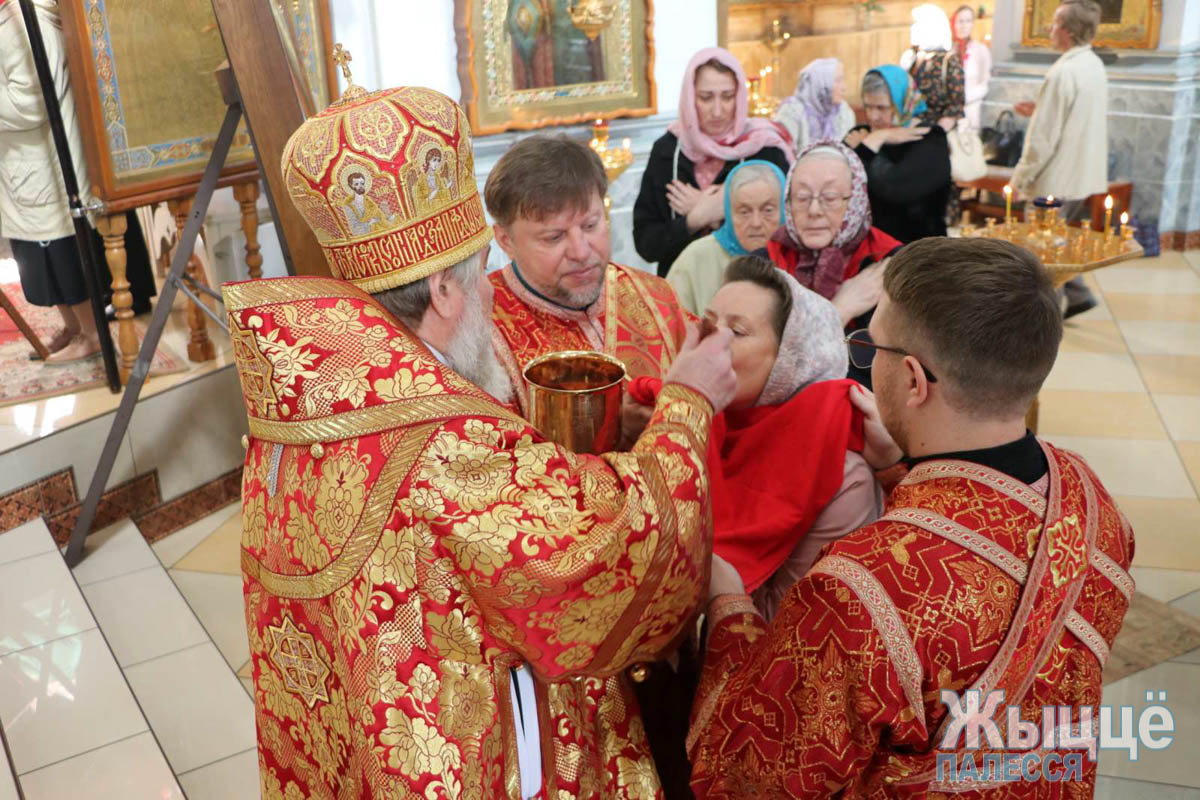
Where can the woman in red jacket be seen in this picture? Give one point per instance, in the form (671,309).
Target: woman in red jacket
(827,242)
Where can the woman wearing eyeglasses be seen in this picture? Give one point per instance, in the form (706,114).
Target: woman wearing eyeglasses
(827,242)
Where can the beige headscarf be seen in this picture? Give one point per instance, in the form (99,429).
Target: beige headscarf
(812,348)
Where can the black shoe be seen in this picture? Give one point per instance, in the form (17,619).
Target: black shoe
(1080,307)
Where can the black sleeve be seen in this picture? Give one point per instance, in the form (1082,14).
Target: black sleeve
(657,235)
(920,169)
(775,156)
(874,258)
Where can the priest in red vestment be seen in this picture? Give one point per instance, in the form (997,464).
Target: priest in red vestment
(1000,564)
(560,291)
(439,603)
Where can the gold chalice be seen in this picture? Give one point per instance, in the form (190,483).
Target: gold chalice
(575,399)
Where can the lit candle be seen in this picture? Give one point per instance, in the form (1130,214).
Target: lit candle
(1007,204)
(626,143)
(1108,207)
(1126,228)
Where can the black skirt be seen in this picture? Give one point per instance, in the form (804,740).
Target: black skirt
(52,275)
(51,272)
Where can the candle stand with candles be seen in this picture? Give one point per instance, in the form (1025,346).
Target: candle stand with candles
(1065,251)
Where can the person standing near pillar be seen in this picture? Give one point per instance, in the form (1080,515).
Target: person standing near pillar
(1066,145)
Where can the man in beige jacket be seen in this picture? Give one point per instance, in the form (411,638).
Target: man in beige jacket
(1066,145)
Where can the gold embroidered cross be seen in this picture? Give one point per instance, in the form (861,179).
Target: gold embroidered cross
(342,57)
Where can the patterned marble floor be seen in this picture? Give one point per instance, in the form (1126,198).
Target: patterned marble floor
(92,664)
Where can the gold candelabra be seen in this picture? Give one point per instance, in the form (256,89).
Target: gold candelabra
(1065,251)
(591,16)
(615,159)
(761,103)
(776,38)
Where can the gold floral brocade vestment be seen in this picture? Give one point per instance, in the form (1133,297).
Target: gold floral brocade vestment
(637,319)
(407,539)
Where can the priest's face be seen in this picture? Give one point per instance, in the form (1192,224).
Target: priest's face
(746,309)
(563,256)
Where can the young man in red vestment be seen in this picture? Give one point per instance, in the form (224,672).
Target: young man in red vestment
(1000,564)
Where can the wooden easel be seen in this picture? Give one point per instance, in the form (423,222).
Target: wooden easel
(23,327)
(265,85)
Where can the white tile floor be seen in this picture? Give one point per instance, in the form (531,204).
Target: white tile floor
(110,685)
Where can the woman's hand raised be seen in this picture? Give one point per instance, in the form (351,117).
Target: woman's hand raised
(877,139)
(858,295)
(708,205)
(682,197)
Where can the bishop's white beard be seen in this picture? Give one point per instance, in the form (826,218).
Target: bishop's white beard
(470,352)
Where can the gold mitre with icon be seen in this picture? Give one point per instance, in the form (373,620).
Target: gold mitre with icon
(386,181)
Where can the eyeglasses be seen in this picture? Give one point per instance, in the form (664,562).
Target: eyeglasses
(826,201)
(862,352)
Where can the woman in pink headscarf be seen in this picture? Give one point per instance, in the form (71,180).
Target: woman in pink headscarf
(681,197)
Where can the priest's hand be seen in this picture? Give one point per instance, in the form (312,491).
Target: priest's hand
(724,579)
(879,449)
(634,418)
(706,365)
(1025,108)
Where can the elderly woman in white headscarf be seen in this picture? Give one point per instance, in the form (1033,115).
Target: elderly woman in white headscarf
(785,459)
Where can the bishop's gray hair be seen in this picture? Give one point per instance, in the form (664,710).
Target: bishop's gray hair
(408,303)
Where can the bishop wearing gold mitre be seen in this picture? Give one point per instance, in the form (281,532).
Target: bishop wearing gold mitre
(560,291)
(439,602)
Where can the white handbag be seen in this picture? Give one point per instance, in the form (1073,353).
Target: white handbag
(966,153)
(967,162)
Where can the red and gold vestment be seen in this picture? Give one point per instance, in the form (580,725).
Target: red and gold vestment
(970,580)
(407,539)
(645,332)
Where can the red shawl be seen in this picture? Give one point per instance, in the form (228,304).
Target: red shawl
(785,255)
(772,471)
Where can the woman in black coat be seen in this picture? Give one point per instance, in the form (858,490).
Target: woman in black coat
(681,196)
(908,168)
